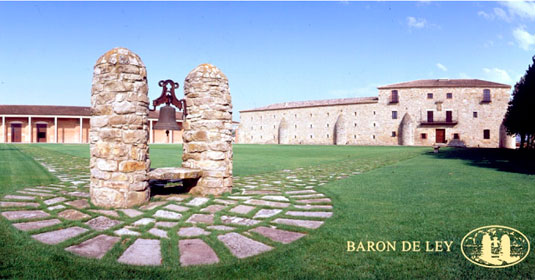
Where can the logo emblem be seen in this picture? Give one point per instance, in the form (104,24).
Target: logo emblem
(495,246)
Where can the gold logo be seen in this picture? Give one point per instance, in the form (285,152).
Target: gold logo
(495,246)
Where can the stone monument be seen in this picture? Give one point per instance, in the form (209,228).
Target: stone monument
(119,131)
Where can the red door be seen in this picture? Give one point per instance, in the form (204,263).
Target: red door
(440,136)
(16,132)
(41,132)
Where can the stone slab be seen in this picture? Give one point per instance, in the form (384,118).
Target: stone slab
(53,201)
(299,223)
(18,204)
(142,252)
(56,207)
(58,236)
(201,218)
(316,195)
(275,197)
(102,223)
(196,252)
(24,215)
(80,203)
(213,208)
(73,215)
(241,246)
(266,213)
(152,205)
(248,192)
(110,213)
(221,228)
(310,207)
(198,201)
(78,194)
(192,232)
(158,232)
(267,203)
(36,225)
(131,212)
(174,173)
(143,222)
(166,224)
(317,200)
(19,197)
(95,247)
(126,231)
(37,194)
(164,214)
(318,214)
(176,208)
(242,209)
(238,221)
(282,236)
(226,202)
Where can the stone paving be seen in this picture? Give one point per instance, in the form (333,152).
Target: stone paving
(263,212)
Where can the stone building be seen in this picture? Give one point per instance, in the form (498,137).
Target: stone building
(457,112)
(63,124)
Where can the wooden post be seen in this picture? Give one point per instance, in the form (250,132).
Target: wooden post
(29,129)
(81,130)
(4,129)
(151,132)
(55,129)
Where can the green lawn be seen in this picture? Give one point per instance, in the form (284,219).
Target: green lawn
(404,194)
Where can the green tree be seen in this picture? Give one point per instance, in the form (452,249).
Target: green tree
(520,116)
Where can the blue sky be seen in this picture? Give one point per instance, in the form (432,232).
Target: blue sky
(271,51)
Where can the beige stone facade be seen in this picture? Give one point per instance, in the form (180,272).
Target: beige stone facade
(454,112)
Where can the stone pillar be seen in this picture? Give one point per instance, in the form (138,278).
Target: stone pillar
(340,133)
(119,131)
(406,131)
(284,134)
(207,133)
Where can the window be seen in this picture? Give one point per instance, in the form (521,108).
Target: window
(355,114)
(486,95)
(430,116)
(486,134)
(311,126)
(327,135)
(310,136)
(449,95)
(373,124)
(374,137)
(295,115)
(327,114)
(260,136)
(430,96)
(260,127)
(475,115)
(374,112)
(354,136)
(456,136)
(394,115)
(295,125)
(310,115)
(295,136)
(423,135)
(273,126)
(449,116)
(393,134)
(327,125)
(355,124)
(394,97)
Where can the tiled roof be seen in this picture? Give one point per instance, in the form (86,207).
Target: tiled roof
(45,110)
(446,83)
(315,103)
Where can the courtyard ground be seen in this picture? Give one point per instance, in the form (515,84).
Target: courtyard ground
(376,193)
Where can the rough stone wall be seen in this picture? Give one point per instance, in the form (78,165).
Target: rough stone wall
(207,132)
(119,131)
(372,123)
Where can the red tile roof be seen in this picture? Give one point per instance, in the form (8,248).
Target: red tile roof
(446,83)
(315,103)
(45,110)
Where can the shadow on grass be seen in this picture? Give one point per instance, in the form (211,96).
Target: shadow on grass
(515,161)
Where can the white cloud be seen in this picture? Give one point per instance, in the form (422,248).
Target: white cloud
(442,67)
(369,90)
(464,76)
(486,15)
(524,39)
(498,75)
(522,9)
(501,14)
(413,22)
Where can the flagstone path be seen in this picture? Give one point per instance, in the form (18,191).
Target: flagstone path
(263,212)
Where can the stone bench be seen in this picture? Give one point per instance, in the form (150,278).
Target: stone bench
(174,173)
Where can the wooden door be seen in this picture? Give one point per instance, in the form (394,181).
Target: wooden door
(440,136)
(430,116)
(41,132)
(16,132)
(449,116)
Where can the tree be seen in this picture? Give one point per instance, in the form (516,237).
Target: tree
(520,116)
